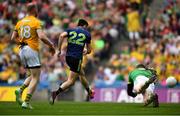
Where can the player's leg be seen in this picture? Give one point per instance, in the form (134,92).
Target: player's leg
(136,35)
(33,64)
(32,87)
(156,101)
(150,89)
(69,82)
(86,85)
(150,96)
(19,91)
(153,98)
(25,84)
(131,35)
(75,66)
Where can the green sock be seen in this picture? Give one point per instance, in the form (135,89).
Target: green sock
(28,97)
(23,87)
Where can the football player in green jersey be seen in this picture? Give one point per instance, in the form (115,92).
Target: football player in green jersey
(141,81)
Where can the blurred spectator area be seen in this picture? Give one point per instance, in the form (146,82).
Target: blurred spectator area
(124,33)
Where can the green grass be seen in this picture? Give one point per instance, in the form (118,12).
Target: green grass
(88,108)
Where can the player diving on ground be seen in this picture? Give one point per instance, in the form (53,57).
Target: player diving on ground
(141,81)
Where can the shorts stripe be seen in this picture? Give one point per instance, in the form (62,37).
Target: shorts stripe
(79,66)
(33,67)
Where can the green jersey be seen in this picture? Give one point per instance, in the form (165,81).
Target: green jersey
(137,72)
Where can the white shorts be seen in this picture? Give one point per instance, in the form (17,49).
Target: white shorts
(141,80)
(29,57)
(134,35)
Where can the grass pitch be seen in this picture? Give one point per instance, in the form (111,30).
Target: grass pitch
(88,108)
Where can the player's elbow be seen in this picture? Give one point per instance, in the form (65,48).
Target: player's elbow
(88,49)
(41,36)
(63,35)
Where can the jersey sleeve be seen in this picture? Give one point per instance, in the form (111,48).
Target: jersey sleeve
(38,24)
(130,79)
(67,30)
(16,27)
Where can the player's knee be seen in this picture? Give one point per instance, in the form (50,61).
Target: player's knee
(35,73)
(82,73)
(71,81)
(149,96)
(136,89)
(35,79)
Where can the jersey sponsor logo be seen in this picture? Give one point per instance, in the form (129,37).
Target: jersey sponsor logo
(120,95)
(114,95)
(173,96)
(76,38)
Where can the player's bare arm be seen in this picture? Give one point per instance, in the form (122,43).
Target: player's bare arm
(14,35)
(45,40)
(61,39)
(87,50)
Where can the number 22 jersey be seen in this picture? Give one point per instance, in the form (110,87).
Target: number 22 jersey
(26,29)
(77,38)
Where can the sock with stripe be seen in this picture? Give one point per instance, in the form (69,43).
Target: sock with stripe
(59,90)
(23,87)
(88,90)
(28,97)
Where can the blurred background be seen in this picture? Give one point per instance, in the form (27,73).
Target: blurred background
(124,33)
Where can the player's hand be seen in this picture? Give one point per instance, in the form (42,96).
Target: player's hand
(84,51)
(53,50)
(59,54)
(134,94)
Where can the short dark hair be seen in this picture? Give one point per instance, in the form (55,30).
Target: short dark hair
(141,66)
(82,22)
(31,7)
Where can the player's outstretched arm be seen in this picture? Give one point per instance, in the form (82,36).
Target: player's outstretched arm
(130,90)
(45,40)
(14,35)
(61,39)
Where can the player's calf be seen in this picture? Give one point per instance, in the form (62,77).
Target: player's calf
(90,95)
(155,101)
(18,95)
